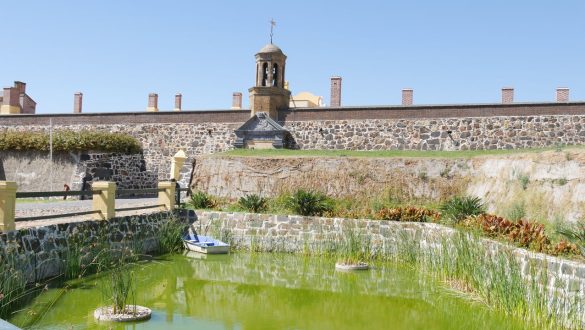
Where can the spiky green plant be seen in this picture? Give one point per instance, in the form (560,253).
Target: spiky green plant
(170,235)
(309,203)
(253,203)
(459,208)
(201,200)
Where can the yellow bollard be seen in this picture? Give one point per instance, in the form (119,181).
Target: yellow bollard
(177,163)
(7,205)
(166,197)
(105,201)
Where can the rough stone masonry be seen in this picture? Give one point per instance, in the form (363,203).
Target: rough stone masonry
(461,127)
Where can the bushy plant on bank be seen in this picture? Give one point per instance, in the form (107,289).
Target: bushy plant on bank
(310,203)
(201,200)
(523,233)
(459,208)
(253,203)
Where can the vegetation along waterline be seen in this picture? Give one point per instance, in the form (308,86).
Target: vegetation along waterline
(90,250)
(447,263)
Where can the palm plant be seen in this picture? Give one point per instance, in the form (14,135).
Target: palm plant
(459,208)
(253,203)
(309,203)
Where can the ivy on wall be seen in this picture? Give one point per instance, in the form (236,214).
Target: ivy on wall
(66,140)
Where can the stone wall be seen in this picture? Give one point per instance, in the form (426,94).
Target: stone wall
(128,171)
(161,141)
(32,170)
(464,127)
(297,234)
(40,252)
(440,134)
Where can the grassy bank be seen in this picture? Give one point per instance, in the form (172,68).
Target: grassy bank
(384,153)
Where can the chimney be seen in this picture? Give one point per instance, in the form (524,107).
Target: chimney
(507,95)
(20,86)
(178,100)
(237,101)
(10,101)
(407,96)
(77,102)
(562,94)
(335,91)
(152,102)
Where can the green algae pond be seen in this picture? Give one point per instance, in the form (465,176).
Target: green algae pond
(269,291)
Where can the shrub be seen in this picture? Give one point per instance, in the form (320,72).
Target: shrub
(524,180)
(411,214)
(201,200)
(523,232)
(253,203)
(459,208)
(65,140)
(517,211)
(309,203)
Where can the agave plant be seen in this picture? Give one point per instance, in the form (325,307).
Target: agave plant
(201,200)
(309,203)
(459,208)
(253,203)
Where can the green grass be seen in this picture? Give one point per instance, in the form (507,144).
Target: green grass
(379,153)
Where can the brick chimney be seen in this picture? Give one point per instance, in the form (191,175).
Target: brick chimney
(77,102)
(152,102)
(237,101)
(562,94)
(10,101)
(20,86)
(178,101)
(407,96)
(335,91)
(507,95)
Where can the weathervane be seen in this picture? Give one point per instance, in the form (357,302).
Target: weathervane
(272,25)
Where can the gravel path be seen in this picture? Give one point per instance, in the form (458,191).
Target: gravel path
(33,209)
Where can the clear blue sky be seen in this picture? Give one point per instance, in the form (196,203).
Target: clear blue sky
(116,52)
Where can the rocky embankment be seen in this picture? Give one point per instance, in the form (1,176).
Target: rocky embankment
(546,185)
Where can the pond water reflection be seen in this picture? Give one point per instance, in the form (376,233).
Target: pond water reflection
(275,291)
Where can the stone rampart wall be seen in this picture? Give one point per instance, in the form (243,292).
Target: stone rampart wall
(462,127)
(440,134)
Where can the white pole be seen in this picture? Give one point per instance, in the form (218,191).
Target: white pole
(51,150)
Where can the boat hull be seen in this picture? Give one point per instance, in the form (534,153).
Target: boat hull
(216,247)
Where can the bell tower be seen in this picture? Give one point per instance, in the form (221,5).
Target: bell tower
(269,94)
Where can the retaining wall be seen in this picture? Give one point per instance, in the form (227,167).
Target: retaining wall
(39,252)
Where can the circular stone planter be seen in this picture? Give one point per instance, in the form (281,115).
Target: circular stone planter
(107,314)
(349,267)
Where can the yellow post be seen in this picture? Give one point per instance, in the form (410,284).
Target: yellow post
(177,163)
(105,201)
(7,205)
(166,197)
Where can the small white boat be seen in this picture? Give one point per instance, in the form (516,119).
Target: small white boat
(205,244)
